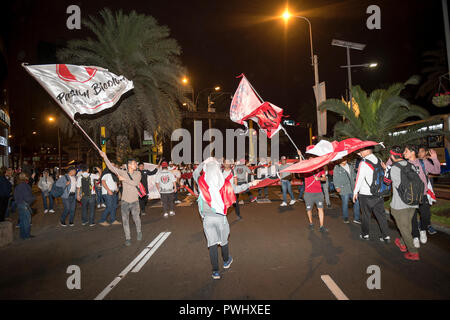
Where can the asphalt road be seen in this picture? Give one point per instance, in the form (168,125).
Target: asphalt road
(275,257)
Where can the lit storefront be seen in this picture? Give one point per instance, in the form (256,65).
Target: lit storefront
(4,142)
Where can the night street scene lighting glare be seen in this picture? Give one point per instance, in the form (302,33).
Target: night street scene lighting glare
(286,15)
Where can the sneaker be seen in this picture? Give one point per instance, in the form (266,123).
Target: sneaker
(301,199)
(423,237)
(104,224)
(283,204)
(401,246)
(51,211)
(241,202)
(311,226)
(238,218)
(139,236)
(84,223)
(45,211)
(92,224)
(292,202)
(385,239)
(177,201)
(227,264)
(103,205)
(323,229)
(143,213)
(366,237)
(172,213)
(346,220)
(357,221)
(166,215)
(416,242)
(63,224)
(253,199)
(98,206)
(329,206)
(71,224)
(128,242)
(412,256)
(116,222)
(431,230)
(216,275)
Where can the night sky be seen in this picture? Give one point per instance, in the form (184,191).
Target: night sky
(222,39)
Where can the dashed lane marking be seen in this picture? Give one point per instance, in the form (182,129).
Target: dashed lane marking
(333,287)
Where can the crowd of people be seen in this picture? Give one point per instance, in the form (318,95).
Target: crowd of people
(127,186)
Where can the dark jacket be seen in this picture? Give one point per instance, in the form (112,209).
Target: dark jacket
(23,193)
(5,187)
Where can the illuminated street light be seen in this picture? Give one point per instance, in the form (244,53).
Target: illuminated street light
(217,88)
(34,132)
(373,65)
(185,80)
(51,119)
(286,15)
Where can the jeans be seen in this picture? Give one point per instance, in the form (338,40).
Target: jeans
(266,192)
(88,203)
(45,196)
(69,208)
(126,207)
(25,220)
(375,204)
(286,187)
(100,197)
(345,198)
(425,218)
(111,207)
(11,207)
(301,190)
(326,192)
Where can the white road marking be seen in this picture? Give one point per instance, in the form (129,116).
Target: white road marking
(333,287)
(124,272)
(147,257)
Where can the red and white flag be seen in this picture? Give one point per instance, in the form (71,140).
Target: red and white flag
(80,89)
(216,190)
(247,106)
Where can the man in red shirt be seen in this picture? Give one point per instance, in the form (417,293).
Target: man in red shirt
(313,194)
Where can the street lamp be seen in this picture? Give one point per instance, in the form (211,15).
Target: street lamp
(314,60)
(185,81)
(52,119)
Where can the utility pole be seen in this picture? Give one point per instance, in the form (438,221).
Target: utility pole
(447,31)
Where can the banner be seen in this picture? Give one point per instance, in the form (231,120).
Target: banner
(80,89)
(151,182)
(268,117)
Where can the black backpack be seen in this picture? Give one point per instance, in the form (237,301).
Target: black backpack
(378,187)
(86,186)
(411,188)
(56,191)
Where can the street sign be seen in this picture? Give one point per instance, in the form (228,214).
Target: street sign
(147,142)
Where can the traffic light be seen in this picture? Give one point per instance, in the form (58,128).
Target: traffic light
(103,141)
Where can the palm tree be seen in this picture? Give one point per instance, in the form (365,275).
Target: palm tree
(379,114)
(435,66)
(137,47)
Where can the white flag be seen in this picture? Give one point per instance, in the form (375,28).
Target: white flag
(80,89)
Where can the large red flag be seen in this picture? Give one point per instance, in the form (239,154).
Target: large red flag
(247,106)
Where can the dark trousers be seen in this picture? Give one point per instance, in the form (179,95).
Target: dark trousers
(167,200)
(3,207)
(214,256)
(369,204)
(143,203)
(88,203)
(236,206)
(69,208)
(425,219)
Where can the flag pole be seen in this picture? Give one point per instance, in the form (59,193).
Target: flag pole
(301,155)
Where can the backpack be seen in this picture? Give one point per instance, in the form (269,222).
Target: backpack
(411,188)
(86,186)
(56,191)
(378,187)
